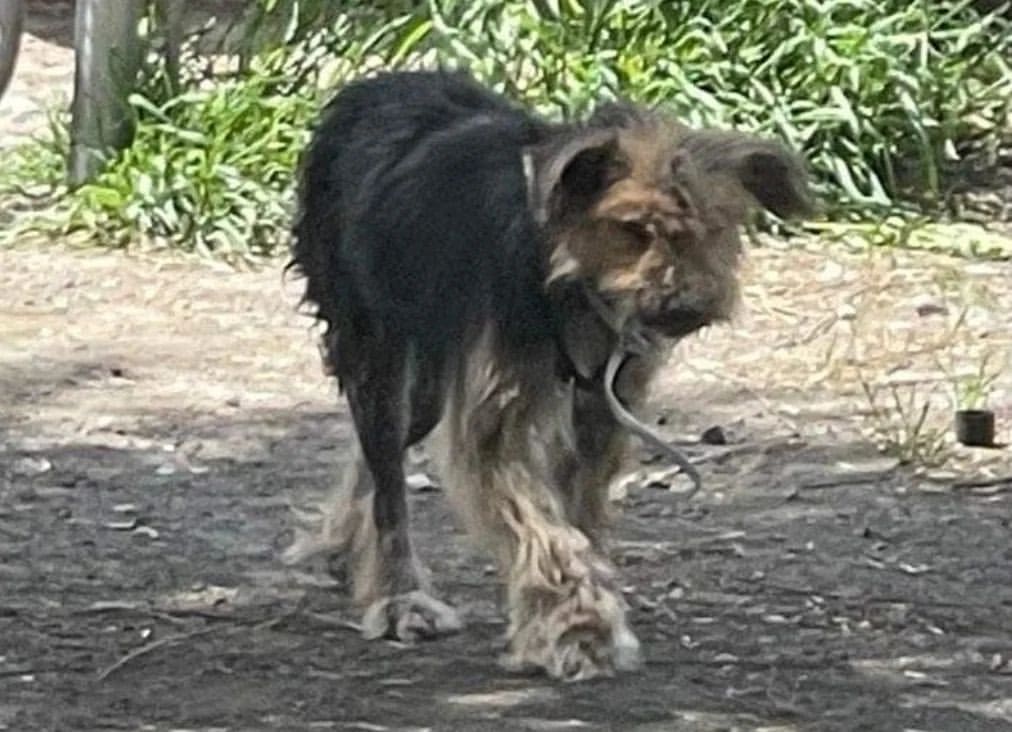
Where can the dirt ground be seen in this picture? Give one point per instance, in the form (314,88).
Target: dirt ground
(160,418)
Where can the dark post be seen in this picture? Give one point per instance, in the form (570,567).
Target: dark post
(170,17)
(12,18)
(108,53)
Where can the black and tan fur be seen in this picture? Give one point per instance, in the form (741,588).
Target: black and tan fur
(476,267)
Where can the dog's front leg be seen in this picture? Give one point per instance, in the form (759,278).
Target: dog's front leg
(566,613)
(585,467)
(589,460)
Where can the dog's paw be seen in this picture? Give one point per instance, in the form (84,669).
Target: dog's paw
(580,654)
(582,637)
(409,617)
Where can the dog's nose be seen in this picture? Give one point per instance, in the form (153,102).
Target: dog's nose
(676,319)
(684,314)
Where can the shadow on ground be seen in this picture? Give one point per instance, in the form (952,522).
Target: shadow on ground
(141,587)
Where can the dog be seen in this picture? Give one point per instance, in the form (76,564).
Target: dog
(477,268)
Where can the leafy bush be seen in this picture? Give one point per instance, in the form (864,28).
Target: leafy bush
(210,169)
(880,94)
(877,92)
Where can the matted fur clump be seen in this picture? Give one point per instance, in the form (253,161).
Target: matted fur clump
(477,268)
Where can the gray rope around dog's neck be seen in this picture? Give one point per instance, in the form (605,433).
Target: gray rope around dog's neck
(631,343)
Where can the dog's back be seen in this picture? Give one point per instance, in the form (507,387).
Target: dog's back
(412,201)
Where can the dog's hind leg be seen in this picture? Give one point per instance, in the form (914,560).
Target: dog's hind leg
(388,577)
(367,521)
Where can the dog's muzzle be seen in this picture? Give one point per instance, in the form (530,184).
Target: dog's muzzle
(675,322)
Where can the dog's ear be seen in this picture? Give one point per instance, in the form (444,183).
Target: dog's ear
(567,178)
(771,173)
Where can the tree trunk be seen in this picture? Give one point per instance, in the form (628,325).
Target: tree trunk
(108,56)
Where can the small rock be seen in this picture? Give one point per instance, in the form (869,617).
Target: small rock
(29,466)
(127,525)
(146,531)
(714,436)
(926,305)
(846,312)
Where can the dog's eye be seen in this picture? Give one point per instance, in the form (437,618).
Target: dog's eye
(641,232)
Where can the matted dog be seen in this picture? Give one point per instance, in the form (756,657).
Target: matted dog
(510,285)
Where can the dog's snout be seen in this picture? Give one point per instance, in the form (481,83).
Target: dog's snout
(670,313)
(673,309)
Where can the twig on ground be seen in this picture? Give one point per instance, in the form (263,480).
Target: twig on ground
(101,608)
(1000,481)
(153,646)
(855,478)
(181,637)
(760,446)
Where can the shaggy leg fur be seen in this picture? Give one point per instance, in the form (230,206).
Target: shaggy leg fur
(566,616)
(369,519)
(346,528)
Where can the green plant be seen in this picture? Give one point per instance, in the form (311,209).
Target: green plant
(210,170)
(879,95)
(32,177)
(901,423)
(971,375)
(972,389)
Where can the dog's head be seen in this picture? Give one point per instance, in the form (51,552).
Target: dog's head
(646,213)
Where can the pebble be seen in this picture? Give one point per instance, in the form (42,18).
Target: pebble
(29,466)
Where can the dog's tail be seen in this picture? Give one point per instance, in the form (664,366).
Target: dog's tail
(317,228)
